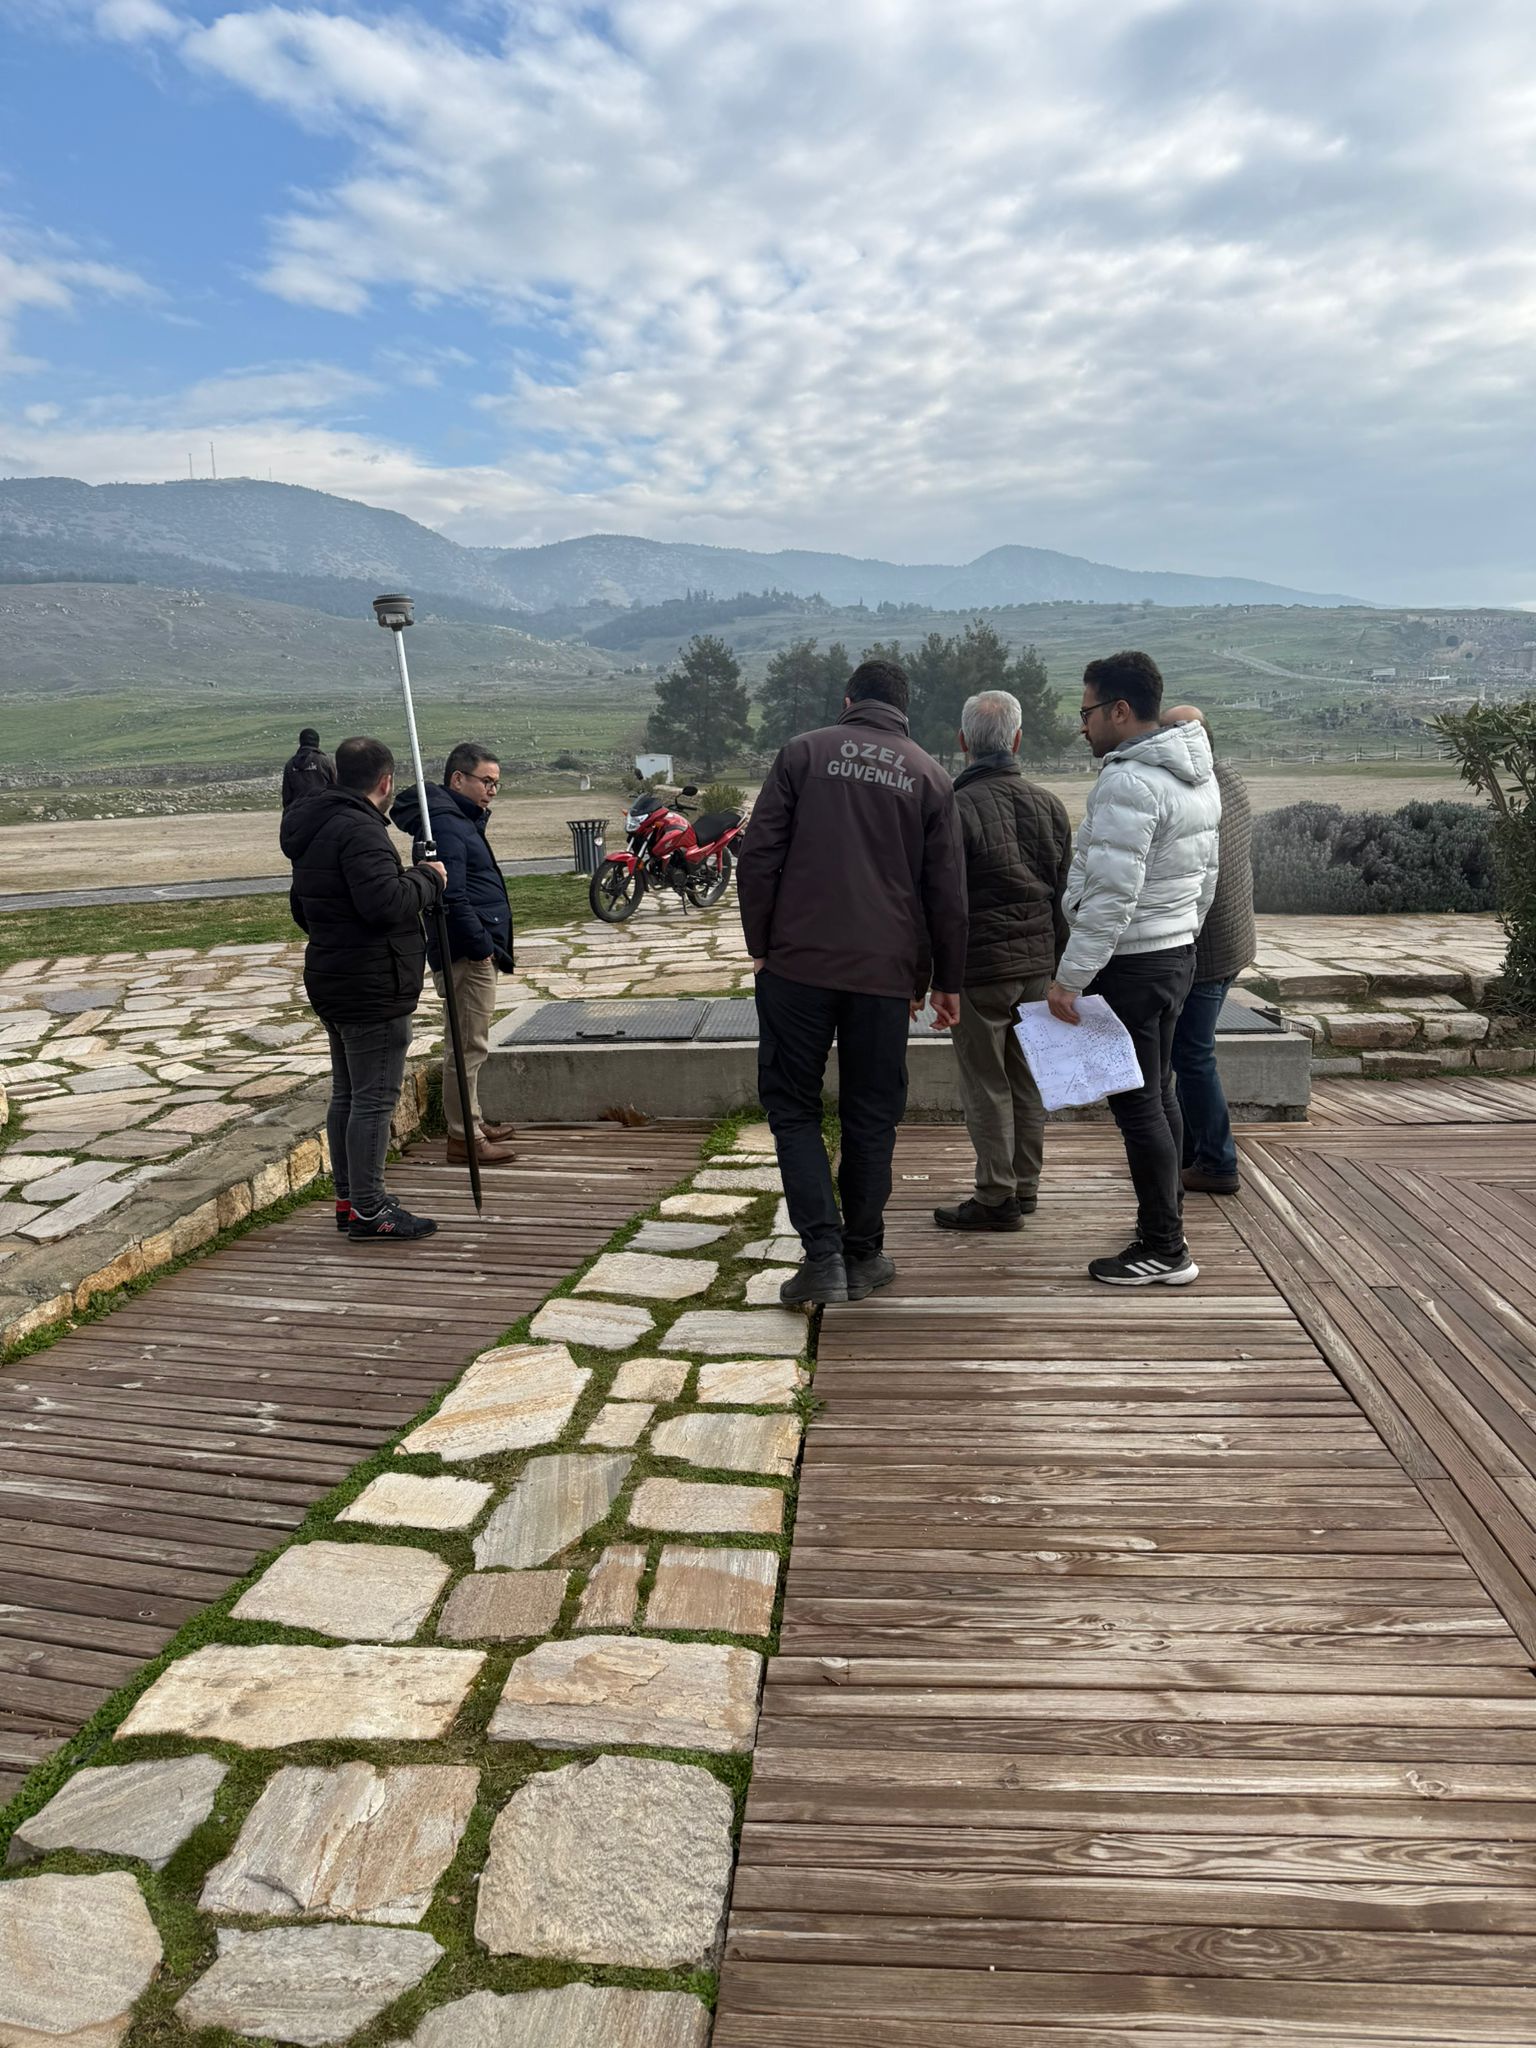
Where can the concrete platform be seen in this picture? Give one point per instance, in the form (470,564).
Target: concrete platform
(570,1061)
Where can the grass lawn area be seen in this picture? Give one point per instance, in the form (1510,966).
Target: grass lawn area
(249,920)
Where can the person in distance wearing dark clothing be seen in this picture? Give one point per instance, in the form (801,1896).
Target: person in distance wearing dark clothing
(309,770)
(1142,880)
(1226,945)
(479,919)
(852,889)
(363,970)
(1018,848)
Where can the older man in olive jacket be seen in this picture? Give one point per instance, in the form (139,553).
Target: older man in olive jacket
(1018,849)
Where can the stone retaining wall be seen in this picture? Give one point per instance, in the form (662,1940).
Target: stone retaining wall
(278,1152)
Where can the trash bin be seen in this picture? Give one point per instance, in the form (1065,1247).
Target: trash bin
(588,843)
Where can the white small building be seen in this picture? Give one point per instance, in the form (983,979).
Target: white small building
(647,765)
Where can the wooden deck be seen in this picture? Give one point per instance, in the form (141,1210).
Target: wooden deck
(1141,1681)
(148,1459)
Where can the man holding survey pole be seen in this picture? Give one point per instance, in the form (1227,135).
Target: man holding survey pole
(1142,880)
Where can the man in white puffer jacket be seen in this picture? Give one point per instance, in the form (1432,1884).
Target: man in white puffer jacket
(1141,882)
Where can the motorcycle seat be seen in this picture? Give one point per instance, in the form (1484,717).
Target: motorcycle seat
(713,824)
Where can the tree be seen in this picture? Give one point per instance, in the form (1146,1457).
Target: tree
(793,695)
(701,705)
(1044,734)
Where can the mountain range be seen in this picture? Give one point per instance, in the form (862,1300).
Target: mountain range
(284,541)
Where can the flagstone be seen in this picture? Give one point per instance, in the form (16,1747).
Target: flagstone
(404,1500)
(348,1843)
(705,1205)
(650,1379)
(623,1861)
(696,1507)
(503,1606)
(13,1215)
(144,1810)
(755,1138)
(675,1237)
(730,1592)
(509,1399)
(769,1444)
(556,1500)
(133,1145)
(591,1690)
(763,1288)
(309,1985)
(24,1167)
(618,1425)
(107,1080)
(782,1251)
(781,1225)
(651,1278)
(81,1209)
(372,1592)
(70,1180)
(75,1952)
(607,1326)
(579,2016)
(265,1696)
(765,1180)
(70,1002)
(750,1382)
(612,1590)
(775,1332)
(199,1118)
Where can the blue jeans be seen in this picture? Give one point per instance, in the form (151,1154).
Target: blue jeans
(1207,1126)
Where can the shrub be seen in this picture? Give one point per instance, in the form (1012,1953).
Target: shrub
(1319,859)
(721,796)
(1496,748)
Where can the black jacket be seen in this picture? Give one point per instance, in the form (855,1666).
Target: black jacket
(366,958)
(1228,940)
(1018,848)
(851,875)
(308,771)
(479,915)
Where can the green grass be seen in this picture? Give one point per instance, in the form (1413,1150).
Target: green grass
(238,920)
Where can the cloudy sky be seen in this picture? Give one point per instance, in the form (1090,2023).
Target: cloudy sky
(1242,286)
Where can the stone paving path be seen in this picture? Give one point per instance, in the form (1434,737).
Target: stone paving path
(405,1764)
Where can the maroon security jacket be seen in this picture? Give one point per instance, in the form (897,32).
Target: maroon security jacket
(852,874)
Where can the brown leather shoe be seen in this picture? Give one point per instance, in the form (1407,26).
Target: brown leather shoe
(498,1134)
(487,1154)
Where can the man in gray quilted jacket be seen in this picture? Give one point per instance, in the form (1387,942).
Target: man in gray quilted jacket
(1141,884)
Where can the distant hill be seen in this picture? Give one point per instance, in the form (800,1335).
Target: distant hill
(243,534)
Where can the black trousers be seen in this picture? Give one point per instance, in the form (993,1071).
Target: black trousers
(1146,991)
(796,1025)
(367,1070)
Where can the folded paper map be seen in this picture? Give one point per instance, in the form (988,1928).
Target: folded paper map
(1075,1064)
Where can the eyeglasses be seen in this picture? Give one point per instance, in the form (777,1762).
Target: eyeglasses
(489,783)
(1087,711)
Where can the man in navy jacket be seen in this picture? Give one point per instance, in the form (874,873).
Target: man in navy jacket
(479,919)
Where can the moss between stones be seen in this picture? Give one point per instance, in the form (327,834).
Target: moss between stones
(172,1894)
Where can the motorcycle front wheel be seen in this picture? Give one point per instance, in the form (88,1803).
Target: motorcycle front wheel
(708,882)
(615,892)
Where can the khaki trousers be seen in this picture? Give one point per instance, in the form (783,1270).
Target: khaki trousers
(474,984)
(1003,1110)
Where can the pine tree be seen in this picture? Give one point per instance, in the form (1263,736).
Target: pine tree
(701,705)
(794,692)
(1045,735)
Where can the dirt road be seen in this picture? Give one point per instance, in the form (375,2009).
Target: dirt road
(214,846)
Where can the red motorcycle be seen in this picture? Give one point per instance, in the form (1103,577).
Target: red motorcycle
(666,849)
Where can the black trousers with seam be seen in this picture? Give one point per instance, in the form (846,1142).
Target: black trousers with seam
(1147,991)
(797,1025)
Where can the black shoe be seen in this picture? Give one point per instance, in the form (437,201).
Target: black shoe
(866,1272)
(1198,1182)
(343,1216)
(974,1215)
(1137,1267)
(816,1280)
(391,1221)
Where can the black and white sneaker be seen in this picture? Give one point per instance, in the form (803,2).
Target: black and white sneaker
(1137,1267)
(390,1222)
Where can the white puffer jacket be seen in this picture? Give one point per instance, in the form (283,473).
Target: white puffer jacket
(1144,871)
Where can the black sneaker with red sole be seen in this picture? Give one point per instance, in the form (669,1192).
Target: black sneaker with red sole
(391,1222)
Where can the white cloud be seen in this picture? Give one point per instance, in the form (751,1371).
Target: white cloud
(136,21)
(45,274)
(1171,281)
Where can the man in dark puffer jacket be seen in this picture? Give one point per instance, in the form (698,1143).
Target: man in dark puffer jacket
(363,970)
(479,920)
(1018,848)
